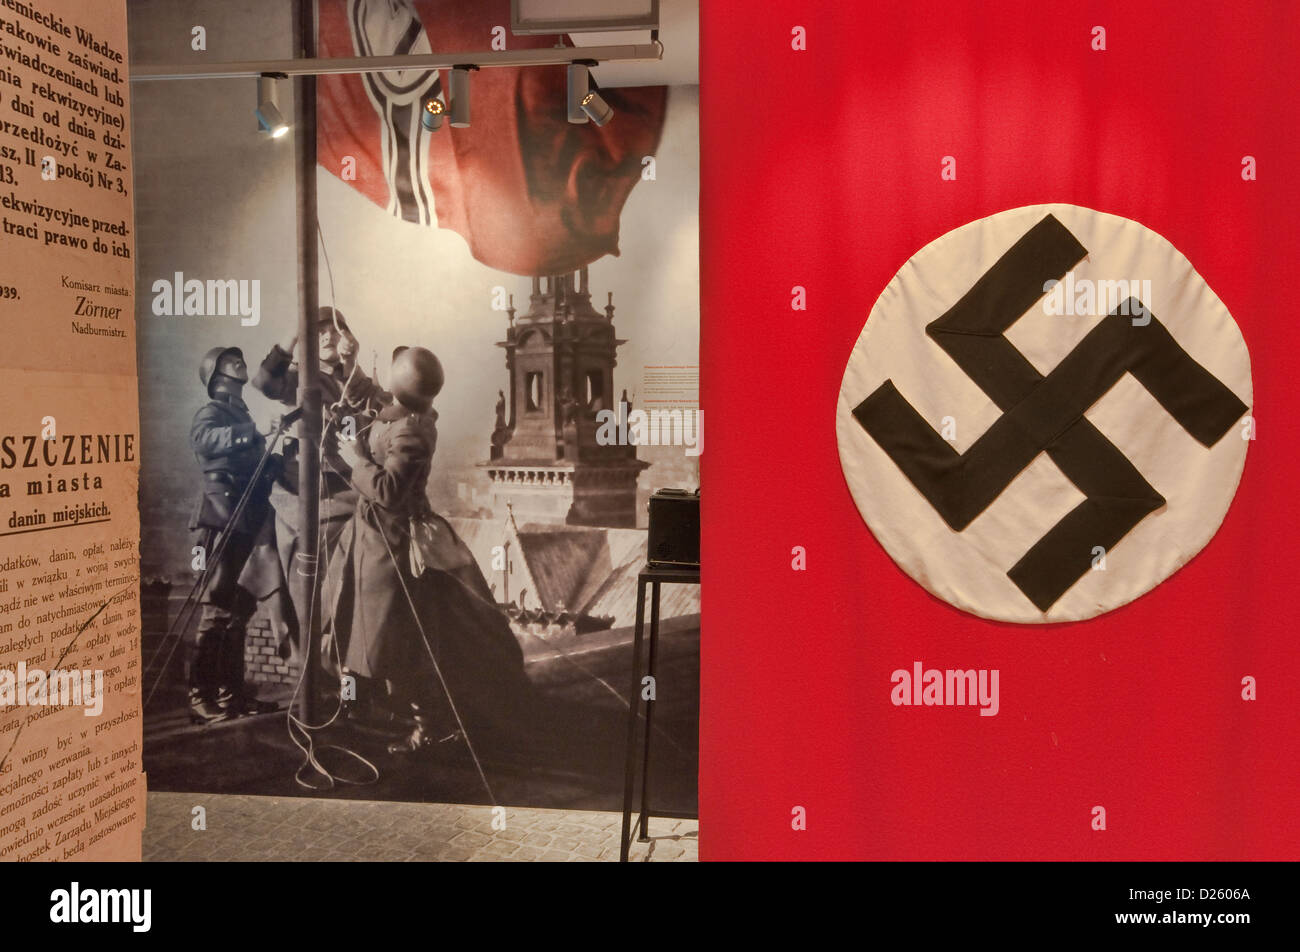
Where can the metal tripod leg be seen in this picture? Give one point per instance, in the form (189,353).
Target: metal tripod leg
(649,713)
(634,707)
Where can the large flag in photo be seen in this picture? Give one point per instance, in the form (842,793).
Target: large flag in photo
(530,192)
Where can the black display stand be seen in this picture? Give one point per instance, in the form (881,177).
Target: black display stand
(653,577)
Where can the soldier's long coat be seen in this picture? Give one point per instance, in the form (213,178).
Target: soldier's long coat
(399,561)
(354,394)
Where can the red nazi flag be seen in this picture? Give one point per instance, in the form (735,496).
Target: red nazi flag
(530,192)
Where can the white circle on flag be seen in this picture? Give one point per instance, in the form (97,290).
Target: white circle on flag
(968,566)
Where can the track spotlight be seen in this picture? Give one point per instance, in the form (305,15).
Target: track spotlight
(269,118)
(271,121)
(579,85)
(432,114)
(599,111)
(460,96)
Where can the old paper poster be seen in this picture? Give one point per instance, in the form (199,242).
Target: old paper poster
(71,785)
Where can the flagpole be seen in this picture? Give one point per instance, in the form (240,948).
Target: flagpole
(306,574)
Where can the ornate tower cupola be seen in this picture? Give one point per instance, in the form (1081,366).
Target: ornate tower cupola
(545,458)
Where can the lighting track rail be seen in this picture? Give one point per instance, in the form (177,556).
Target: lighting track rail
(550,56)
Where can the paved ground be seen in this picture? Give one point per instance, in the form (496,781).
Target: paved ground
(299,829)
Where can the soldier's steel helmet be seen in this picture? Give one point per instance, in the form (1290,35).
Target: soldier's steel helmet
(208,366)
(416,378)
(327,315)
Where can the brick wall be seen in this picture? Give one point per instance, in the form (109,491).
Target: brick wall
(262,662)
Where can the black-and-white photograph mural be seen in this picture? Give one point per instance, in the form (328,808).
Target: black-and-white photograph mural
(463,305)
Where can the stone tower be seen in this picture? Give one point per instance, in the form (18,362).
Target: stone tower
(545,460)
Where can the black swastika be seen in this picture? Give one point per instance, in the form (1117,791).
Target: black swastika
(1045,414)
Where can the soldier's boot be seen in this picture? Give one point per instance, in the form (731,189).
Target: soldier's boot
(233,695)
(352,697)
(428,734)
(361,706)
(204,672)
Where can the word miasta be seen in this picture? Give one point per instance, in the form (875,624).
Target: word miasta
(50,485)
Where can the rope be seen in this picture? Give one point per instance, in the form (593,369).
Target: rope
(300,732)
(200,585)
(307,744)
(436,667)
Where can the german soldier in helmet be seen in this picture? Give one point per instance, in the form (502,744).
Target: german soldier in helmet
(345,391)
(406,588)
(228,448)
(342,383)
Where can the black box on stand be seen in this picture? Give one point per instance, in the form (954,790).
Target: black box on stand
(674,536)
